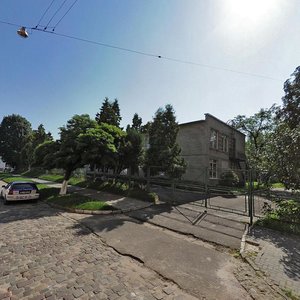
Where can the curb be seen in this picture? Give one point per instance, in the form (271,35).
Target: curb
(253,265)
(96,212)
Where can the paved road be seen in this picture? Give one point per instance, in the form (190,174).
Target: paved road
(47,254)
(196,267)
(44,255)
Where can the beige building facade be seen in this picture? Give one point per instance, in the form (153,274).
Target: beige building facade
(210,147)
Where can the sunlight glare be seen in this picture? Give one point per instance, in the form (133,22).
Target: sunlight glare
(248,15)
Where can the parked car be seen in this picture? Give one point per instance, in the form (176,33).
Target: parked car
(17,190)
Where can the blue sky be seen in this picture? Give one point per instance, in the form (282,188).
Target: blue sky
(48,79)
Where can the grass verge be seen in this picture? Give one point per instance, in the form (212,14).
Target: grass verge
(279,225)
(78,202)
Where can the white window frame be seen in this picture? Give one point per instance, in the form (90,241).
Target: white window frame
(213,174)
(224,143)
(214,139)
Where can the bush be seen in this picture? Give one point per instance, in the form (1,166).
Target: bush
(285,217)
(288,210)
(229,178)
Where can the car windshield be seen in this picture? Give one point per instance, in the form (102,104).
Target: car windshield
(24,186)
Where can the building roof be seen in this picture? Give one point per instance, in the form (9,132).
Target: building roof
(211,116)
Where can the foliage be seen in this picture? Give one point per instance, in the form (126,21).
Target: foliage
(131,151)
(14,133)
(36,138)
(257,129)
(290,111)
(283,155)
(100,146)
(285,217)
(136,122)
(69,156)
(164,152)
(229,178)
(120,188)
(109,113)
(45,154)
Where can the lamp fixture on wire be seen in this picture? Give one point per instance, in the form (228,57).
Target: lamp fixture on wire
(22,32)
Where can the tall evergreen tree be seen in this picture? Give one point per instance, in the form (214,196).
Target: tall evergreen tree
(136,122)
(164,152)
(15,131)
(37,137)
(109,113)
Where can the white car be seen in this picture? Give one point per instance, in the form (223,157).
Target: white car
(18,190)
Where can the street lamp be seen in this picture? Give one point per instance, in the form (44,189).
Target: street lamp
(22,32)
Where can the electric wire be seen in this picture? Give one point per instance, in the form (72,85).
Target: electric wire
(55,14)
(64,14)
(146,53)
(44,14)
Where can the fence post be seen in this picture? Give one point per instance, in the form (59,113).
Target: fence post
(250,197)
(148,179)
(206,187)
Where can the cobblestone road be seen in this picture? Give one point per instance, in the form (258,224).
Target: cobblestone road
(44,255)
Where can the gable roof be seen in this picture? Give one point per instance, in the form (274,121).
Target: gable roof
(210,116)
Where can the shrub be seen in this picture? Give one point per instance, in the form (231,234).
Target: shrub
(285,217)
(229,178)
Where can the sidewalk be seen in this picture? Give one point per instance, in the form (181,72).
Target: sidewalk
(278,255)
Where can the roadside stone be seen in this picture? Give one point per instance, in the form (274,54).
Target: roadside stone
(168,290)
(78,293)
(46,256)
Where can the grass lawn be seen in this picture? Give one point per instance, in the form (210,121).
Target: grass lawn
(59,178)
(52,177)
(79,202)
(10,178)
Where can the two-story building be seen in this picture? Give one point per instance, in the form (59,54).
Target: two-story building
(211,147)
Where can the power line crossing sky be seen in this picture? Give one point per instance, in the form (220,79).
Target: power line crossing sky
(48,78)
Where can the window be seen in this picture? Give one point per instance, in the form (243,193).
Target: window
(213,139)
(223,144)
(212,168)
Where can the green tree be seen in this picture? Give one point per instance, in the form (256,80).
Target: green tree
(37,137)
(100,145)
(257,129)
(15,132)
(290,110)
(131,151)
(69,156)
(40,136)
(164,152)
(109,113)
(136,122)
(45,154)
(283,155)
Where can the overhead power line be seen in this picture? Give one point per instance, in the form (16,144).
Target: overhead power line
(181,61)
(55,14)
(64,14)
(44,14)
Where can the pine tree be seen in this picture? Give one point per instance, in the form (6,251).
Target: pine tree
(109,113)
(163,154)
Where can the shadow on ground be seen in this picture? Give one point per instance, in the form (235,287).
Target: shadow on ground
(288,243)
(23,210)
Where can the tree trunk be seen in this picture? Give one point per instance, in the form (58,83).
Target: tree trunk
(64,186)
